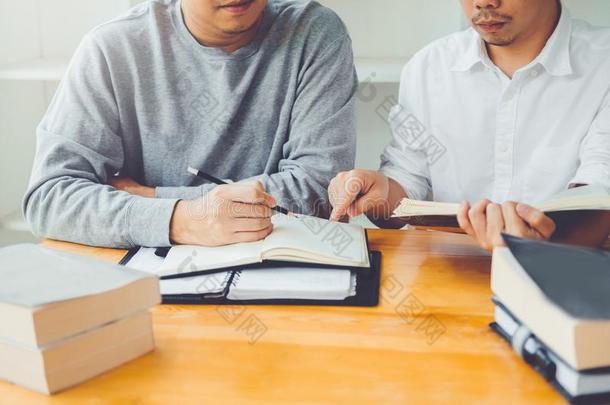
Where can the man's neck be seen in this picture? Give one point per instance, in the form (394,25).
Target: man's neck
(523,51)
(206,35)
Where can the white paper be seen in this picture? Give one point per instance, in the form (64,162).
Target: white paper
(292,283)
(205,284)
(146,260)
(298,239)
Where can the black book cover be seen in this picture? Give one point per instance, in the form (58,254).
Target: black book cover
(575,279)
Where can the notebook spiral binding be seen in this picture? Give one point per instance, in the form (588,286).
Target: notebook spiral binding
(234,277)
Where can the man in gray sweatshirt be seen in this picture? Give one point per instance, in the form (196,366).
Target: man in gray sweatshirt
(255,91)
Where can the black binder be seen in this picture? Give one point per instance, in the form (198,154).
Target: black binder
(367,285)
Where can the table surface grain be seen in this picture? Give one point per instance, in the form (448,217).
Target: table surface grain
(427,342)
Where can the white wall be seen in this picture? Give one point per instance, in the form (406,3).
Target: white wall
(64,22)
(20,105)
(33,29)
(597,12)
(390,28)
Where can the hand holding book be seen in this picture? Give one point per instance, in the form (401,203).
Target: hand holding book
(561,216)
(486,221)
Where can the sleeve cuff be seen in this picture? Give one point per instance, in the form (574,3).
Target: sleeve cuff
(148,221)
(414,189)
(593,175)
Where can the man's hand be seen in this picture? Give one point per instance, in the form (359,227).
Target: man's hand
(132,187)
(486,221)
(358,192)
(228,214)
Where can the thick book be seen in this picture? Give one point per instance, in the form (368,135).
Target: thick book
(47,295)
(295,239)
(55,367)
(561,293)
(444,214)
(581,387)
(269,283)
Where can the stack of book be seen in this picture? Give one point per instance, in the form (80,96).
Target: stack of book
(65,319)
(553,306)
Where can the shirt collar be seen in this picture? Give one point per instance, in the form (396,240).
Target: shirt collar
(555,57)
(473,54)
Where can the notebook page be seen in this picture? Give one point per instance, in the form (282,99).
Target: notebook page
(320,240)
(188,259)
(200,285)
(292,283)
(146,260)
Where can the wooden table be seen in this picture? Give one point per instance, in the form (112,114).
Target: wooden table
(428,342)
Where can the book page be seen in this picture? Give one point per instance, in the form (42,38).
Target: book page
(189,259)
(412,208)
(578,198)
(299,239)
(316,239)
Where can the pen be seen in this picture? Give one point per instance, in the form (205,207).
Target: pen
(215,180)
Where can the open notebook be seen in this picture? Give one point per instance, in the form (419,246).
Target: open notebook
(577,199)
(301,239)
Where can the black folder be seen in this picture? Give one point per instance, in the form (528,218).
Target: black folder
(367,285)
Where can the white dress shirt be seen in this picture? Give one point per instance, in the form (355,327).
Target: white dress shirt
(463,130)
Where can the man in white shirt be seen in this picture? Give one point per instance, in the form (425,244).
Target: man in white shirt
(504,114)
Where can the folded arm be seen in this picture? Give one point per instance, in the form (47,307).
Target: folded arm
(79,148)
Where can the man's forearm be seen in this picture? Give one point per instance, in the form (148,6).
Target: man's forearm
(81,211)
(183,193)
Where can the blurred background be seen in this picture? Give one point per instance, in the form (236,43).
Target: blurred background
(39,36)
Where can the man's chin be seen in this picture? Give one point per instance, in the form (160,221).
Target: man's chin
(238,28)
(497,40)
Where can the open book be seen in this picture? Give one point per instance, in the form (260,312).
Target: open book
(430,213)
(301,239)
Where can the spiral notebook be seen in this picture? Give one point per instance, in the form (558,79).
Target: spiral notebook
(264,283)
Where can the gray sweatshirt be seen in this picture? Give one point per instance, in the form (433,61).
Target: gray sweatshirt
(142,97)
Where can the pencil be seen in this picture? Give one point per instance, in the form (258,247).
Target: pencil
(215,180)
